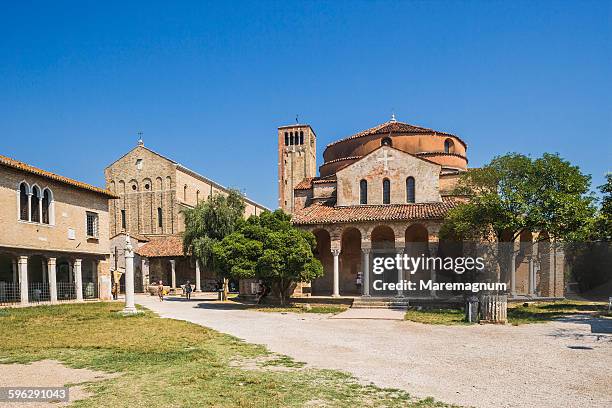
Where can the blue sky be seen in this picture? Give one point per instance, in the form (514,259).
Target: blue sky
(209,83)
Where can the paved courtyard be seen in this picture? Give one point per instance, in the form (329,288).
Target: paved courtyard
(562,363)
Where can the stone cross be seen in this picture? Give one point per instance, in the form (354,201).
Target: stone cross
(386,159)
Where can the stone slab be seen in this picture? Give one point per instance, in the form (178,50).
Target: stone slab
(375,314)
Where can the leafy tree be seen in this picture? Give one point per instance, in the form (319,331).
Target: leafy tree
(208,223)
(603,223)
(268,247)
(514,193)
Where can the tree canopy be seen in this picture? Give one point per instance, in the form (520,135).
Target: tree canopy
(208,223)
(268,247)
(514,193)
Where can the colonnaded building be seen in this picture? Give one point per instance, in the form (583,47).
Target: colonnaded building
(152,191)
(54,237)
(390,187)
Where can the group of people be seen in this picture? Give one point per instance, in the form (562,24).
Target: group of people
(161,292)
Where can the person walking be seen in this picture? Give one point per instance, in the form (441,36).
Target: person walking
(188,290)
(160,291)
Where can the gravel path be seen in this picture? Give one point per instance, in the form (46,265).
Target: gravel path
(557,364)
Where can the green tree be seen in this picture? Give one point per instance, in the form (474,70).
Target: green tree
(208,223)
(514,193)
(603,223)
(270,248)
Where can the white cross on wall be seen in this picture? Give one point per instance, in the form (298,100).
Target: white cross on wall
(386,159)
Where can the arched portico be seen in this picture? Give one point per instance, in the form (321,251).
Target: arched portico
(350,261)
(323,284)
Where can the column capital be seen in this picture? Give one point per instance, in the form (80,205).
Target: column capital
(335,251)
(366,250)
(51,261)
(22,259)
(172,262)
(77,261)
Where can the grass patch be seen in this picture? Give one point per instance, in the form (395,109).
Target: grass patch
(165,362)
(436,316)
(300,308)
(534,312)
(539,312)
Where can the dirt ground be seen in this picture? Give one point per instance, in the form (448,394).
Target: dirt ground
(47,373)
(561,363)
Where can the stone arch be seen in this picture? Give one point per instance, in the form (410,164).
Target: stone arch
(35,201)
(324,284)
(158,184)
(112,186)
(133,185)
(350,260)
(525,251)
(121,187)
(38,283)
(147,184)
(48,207)
(416,245)
(382,237)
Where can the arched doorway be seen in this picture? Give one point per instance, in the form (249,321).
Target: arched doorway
(38,281)
(383,246)
(350,261)
(522,262)
(324,284)
(9,280)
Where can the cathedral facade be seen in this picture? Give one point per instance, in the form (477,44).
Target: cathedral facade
(387,188)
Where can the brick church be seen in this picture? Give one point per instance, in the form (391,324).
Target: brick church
(388,188)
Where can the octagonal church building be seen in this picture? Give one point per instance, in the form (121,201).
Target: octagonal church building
(385,188)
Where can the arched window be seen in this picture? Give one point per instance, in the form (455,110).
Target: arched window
(386,191)
(197,197)
(24,201)
(363,192)
(386,141)
(410,198)
(47,203)
(35,204)
(123,220)
(185,192)
(301,137)
(286,138)
(160,219)
(448,146)
(291,142)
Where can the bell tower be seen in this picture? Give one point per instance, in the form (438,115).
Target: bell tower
(297,160)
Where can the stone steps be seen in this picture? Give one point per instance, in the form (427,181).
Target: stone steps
(385,303)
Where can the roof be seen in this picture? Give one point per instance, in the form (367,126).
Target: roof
(328,213)
(15,164)
(306,184)
(171,245)
(393,126)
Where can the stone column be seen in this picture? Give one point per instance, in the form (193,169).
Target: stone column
(513,270)
(400,273)
(130,307)
(433,251)
(197,280)
(51,267)
(531,277)
(23,278)
(366,271)
(78,280)
(173,266)
(336,254)
(144,266)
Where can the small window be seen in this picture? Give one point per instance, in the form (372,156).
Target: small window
(123,219)
(160,215)
(410,197)
(198,197)
(386,141)
(386,191)
(286,139)
(139,164)
(291,138)
(363,192)
(92,224)
(46,206)
(185,192)
(147,186)
(301,137)
(24,208)
(35,204)
(134,187)
(448,146)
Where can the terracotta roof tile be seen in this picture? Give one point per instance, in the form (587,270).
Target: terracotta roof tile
(305,184)
(171,245)
(395,127)
(328,213)
(15,164)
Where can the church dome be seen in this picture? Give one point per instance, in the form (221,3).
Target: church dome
(443,148)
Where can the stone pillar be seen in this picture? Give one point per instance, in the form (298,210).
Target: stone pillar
(78,280)
(23,279)
(433,251)
(173,266)
(366,271)
(197,279)
(51,267)
(130,307)
(531,277)
(144,266)
(400,273)
(513,270)
(336,254)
